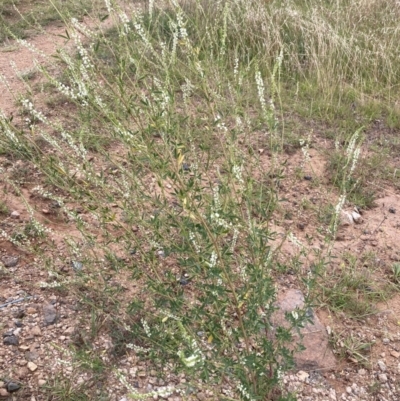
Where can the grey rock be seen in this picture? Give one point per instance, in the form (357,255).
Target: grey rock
(317,354)
(77,266)
(382,366)
(345,218)
(10,261)
(10,340)
(382,378)
(201,396)
(356,217)
(161,254)
(184,281)
(12,387)
(49,314)
(31,356)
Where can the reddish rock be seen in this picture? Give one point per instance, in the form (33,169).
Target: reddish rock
(317,353)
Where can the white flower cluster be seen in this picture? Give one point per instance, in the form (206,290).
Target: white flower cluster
(162,98)
(35,113)
(261,90)
(224,29)
(193,240)
(38,227)
(48,195)
(168,314)
(244,392)
(340,204)
(79,150)
(109,7)
(151,7)
(138,349)
(32,48)
(354,160)
(181,26)
(236,67)
(217,203)
(239,123)
(137,23)
(305,146)
(64,89)
(352,144)
(175,38)
(86,62)
(124,133)
(338,209)
(13,240)
(219,221)
(146,327)
(237,173)
(353,152)
(213,260)
(6,130)
(187,89)
(243,273)
(82,28)
(125,23)
(234,239)
(199,68)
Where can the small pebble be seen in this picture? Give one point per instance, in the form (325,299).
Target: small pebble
(10,340)
(382,366)
(14,215)
(356,217)
(382,378)
(10,261)
(77,266)
(302,376)
(395,354)
(50,314)
(35,331)
(12,387)
(32,366)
